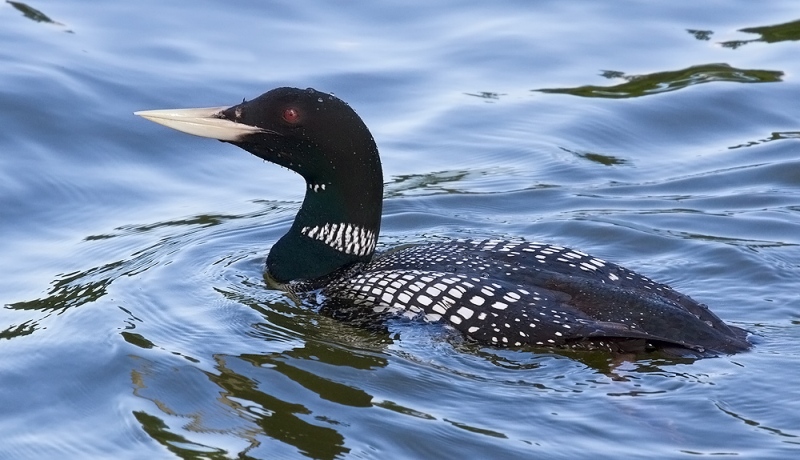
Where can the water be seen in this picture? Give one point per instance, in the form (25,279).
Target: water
(135,322)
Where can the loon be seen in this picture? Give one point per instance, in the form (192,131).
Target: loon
(504,293)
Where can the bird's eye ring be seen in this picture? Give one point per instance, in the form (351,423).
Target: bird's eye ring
(291,115)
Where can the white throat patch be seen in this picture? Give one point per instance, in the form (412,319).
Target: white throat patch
(346,238)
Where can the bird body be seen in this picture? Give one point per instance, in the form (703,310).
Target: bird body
(499,292)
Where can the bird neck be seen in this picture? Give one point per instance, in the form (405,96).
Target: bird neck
(337,225)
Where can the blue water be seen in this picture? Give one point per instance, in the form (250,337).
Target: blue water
(135,323)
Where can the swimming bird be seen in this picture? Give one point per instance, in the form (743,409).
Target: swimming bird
(506,293)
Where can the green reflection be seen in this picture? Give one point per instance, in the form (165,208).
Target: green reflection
(661,82)
(476,430)
(177,444)
(789,31)
(775,136)
(278,419)
(401,184)
(72,290)
(394,407)
(704,35)
(35,15)
(86,286)
(32,13)
(337,356)
(137,340)
(324,388)
(19,330)
(278,396)
(199,221)
(606,160)
(288,318)
(489,96)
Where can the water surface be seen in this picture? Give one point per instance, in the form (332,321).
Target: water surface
(135,322)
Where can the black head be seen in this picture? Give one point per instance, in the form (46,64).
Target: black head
(321,138)
(312,133)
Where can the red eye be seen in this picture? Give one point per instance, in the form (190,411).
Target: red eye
(291,115)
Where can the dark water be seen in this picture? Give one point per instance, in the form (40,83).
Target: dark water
(664,136)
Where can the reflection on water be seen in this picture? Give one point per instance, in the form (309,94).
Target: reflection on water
(793,438)
(603,159)
(256,396)
(704,35)
(87,286)
(789,31)
(35,15)
(82,287)
(160,339)
(158,430)
(32,13)
(19,330)
(425,183)
(488,95)
(772,137)
(305,397)
(661,82)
